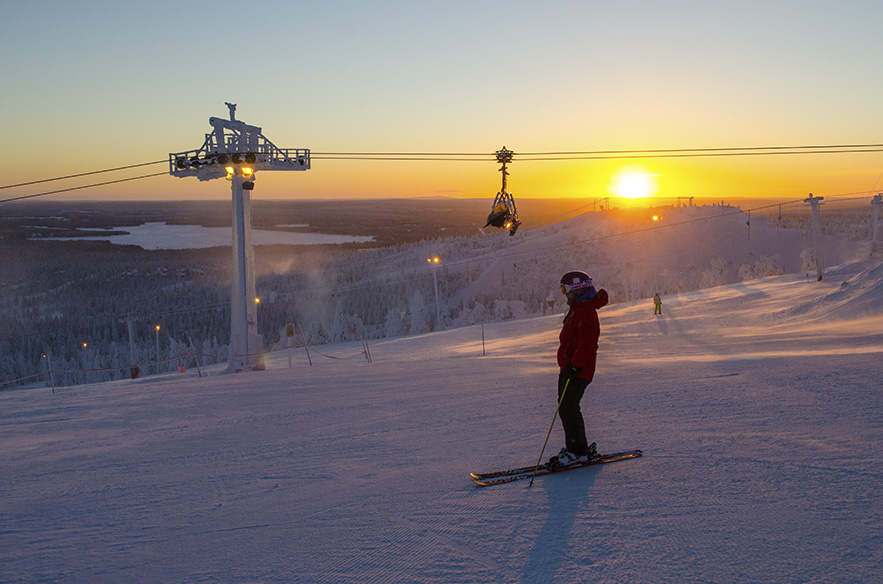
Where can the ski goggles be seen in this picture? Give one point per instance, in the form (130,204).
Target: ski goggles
(576,286)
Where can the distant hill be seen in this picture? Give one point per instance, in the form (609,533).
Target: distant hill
(55,296)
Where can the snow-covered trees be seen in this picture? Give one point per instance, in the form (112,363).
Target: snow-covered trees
(716,275)
(808,260)
(345,327)
(343,295)
(765,266)
(394,326)
(418,314)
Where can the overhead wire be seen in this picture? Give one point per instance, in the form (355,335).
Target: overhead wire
(378,280)
(385,278)
(406,154)
(587,156)
(612,154)
(399,158)
(697,155)
(486,157)
(876,182)
(735,211)
(55,192)
(129,316)
(727,149)
(45,180)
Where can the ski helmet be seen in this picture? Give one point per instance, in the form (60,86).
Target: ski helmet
(575,282)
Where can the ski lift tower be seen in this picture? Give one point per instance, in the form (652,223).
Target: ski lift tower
(236,151)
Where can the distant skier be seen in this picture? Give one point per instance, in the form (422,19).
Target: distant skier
(657,301)
(577,353)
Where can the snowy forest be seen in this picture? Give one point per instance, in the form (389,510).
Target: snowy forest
(73,302)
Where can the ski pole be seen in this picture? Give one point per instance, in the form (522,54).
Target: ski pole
(549,433)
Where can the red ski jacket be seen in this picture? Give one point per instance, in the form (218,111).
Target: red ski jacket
(579,335)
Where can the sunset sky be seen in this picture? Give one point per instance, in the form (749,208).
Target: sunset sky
(93,85)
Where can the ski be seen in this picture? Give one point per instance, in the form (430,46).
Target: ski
(517,474)
(542,467)
(479,476)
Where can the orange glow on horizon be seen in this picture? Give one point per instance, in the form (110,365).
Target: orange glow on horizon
(703,178)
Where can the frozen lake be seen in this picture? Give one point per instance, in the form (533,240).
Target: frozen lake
(160,235)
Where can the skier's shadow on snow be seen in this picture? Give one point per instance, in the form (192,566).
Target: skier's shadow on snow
(662,324)
(566,496)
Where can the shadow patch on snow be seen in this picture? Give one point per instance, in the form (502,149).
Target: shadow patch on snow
(859,296)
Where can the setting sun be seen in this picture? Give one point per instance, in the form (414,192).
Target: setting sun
(633,182)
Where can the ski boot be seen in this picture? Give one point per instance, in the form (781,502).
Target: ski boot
(568,458)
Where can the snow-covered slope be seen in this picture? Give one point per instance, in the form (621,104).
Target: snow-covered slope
(758,406)
(688,248)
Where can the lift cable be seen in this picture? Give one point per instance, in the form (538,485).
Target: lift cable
(485,157)
(735,211)
(695,155)
(437,158)
(383,279)
(578,155)
(686,150)
(526,157)
(45,180)
(152,316)
(110,182)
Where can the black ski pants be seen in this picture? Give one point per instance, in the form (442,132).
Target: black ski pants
(571,416)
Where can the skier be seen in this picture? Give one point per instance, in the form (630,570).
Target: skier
(657,301)
(577,353)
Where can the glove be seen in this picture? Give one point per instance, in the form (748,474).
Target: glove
(569,371)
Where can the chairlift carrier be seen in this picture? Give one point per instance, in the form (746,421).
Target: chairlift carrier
(503,211)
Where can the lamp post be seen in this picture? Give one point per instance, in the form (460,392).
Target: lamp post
(815,203)
(157,327)
(876,202)
(433,261)
(656,219)
(49,370)
(84,357)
